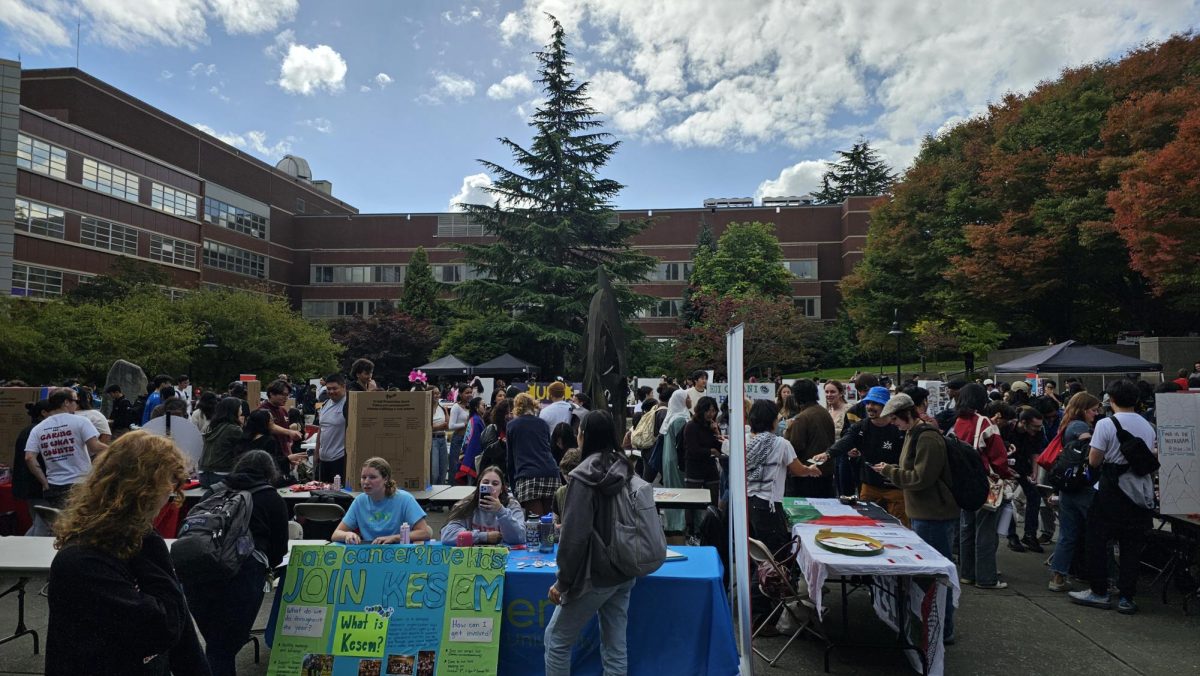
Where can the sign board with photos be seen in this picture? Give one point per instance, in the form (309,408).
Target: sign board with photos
(753,391)
(939,398)
(390,610)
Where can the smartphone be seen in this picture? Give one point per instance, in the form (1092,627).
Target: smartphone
(485,489)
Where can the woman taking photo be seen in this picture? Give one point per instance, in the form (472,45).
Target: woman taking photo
(376,515)
(472,443)
(586,582)
(490,514)
(977,537)
(533,470)
(675,417)
(116,606)
(225,609)
(836,404)
(1078,422)
(222,441)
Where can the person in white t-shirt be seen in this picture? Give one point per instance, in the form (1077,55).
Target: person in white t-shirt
(183,387)
(558,410)
(1124,504)
(67,443)
(769,461)
(96,417)
(698,389)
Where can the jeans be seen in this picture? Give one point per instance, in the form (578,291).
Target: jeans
(939,534)
(439,460)
(977,542)
(1072,516)
(1048,510)
(1113,516)
(568,620)
(225,612)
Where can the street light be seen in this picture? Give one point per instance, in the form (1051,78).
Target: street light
(898,334)
(208,343)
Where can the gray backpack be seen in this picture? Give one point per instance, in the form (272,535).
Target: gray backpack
(215,538)
(639,545)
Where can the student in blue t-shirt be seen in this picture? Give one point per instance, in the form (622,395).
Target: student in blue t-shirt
(378,512)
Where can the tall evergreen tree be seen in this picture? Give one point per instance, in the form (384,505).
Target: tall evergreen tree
(420,298)
(706,245)
(553,223)
(860,172)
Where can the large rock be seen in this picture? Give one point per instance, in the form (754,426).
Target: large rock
(129,377)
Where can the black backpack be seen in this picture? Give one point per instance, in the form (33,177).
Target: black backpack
(969,481)
(1071,472)
(1141,460)
(215,538)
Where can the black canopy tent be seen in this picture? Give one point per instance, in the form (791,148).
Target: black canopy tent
(447,366)
(505,365)
(1073,358)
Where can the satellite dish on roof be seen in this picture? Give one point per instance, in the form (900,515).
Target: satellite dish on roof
(296,167)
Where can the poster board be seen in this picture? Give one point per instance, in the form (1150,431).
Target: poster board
(1178,416)
(14,417)
(383,610)
(752,390)
(253,393)
(939,398)
(395,426)
(540,390)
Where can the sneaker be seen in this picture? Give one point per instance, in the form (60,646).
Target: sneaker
(1126,606)
(1085,597)
(966,580)
(1032,545)
(995,585)
(1045,538)
(1058,586)
(1015,545)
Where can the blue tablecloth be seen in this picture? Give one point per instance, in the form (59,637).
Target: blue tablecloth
(679,620)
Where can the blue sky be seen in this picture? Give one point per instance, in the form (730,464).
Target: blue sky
(394,101)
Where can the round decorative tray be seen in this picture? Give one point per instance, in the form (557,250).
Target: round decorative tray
(850,544)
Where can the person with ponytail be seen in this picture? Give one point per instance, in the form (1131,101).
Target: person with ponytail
(377,513)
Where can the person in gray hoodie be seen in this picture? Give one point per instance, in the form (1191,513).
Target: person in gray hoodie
(587,582)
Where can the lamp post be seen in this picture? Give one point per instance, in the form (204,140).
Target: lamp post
(209,342)
(898,334)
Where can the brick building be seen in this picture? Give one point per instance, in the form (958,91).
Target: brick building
(89,173)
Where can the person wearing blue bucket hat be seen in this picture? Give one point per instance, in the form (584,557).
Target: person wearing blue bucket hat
(875,440)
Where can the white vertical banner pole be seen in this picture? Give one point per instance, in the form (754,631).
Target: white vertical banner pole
(739,519)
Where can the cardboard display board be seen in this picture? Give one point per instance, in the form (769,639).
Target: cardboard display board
(14,417)
(253,393)
(411,610)
(395,426)
(1178,416)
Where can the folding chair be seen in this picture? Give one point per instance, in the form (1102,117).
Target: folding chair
(786,597)
(319,519)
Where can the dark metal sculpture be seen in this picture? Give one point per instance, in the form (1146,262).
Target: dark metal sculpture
(606,367)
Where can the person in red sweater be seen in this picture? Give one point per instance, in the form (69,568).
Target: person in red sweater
(977,537)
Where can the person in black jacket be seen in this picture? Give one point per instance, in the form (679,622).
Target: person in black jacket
(701,448)
(25,485)
(225,609)
(116,606)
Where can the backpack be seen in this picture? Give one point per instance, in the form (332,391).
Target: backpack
(1070,472)
(639,545)
(652,467)
(646,434)
(1141,460)
(969,482)
(215,540)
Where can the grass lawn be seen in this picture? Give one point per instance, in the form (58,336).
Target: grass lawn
(844,374)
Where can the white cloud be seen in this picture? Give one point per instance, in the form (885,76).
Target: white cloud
(364,88)
(307,70)
(798,179)
(510,86)
(473,191)
(319,124)
(216,91)
(164,75)
(463,15)
(448,86)
(202,69)
(748,73)
(383,80)
(280,44)
(38,24)
(254,141)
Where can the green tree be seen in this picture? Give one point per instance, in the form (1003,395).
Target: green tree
(553,223)
(706,245)
(396,342)
(125,275)
(859,172)
(479,339)
(748,260)
(649,357)
(420,297)
(777,335)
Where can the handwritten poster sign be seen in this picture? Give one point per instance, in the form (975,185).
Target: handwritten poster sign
(939,398)
(1178,416)
(753,390)
(385,610)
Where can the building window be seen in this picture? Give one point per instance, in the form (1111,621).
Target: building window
(172,201)
(37,155)
(670,272)
(110,180)
(358,274)
(453,274)
(233,259)
(809,306)
(105,235)
(300,205)
(171,250)
(458,225)
(173,293)
(329,309)
(39,219)
(234,218)
(664,308)
(31,282)
(802,269)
